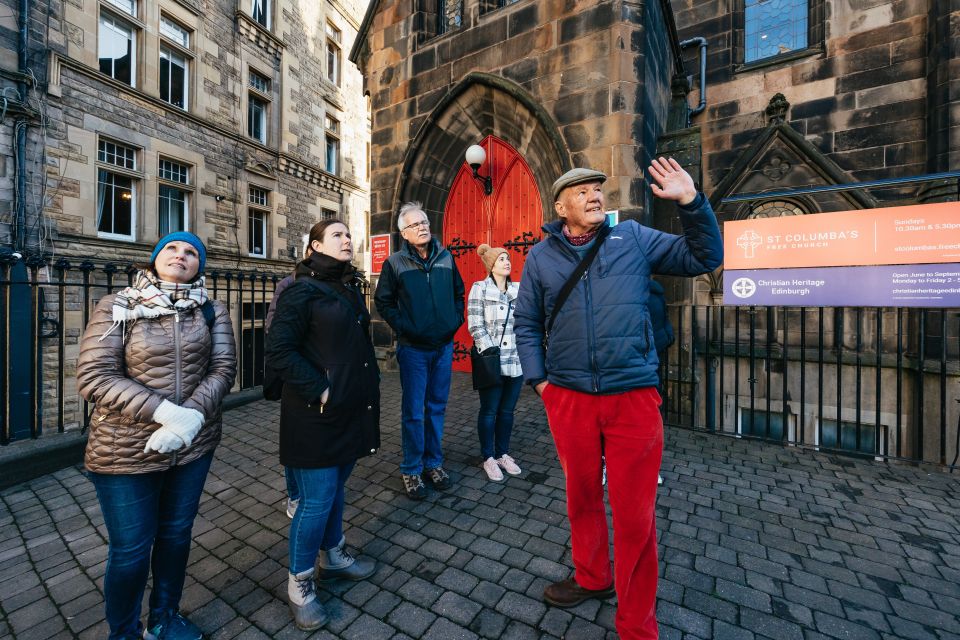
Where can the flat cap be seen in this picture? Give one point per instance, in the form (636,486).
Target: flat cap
(576,176)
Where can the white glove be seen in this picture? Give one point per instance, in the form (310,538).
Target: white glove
(178,427)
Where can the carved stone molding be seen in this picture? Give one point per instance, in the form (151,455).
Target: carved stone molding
(310,174)
(777,168)
(777,109)
(258,35)
(258,166)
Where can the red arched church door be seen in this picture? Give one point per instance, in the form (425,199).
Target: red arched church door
(510,217)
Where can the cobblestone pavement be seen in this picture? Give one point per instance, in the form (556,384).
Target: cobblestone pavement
(756,541)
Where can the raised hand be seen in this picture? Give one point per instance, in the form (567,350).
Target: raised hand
(671,181)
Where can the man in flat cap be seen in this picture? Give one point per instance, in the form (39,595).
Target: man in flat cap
(593,360)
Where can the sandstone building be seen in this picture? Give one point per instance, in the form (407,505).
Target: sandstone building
(241,121)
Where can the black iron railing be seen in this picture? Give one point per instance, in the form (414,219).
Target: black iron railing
(44,308)
(859,381)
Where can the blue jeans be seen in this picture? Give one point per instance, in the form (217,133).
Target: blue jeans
(495,420)
(425,379)
(293,491)
(318,523)
(144,512)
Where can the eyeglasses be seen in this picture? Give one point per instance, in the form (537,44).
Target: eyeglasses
(423,224)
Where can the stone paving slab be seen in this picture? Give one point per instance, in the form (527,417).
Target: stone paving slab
(756,541)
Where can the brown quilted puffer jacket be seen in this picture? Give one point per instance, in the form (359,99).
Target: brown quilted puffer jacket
(175,358)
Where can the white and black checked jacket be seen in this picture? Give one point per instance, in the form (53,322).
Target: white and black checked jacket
(486,311)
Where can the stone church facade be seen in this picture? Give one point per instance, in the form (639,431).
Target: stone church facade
(561,84)
(814,93)
(798,94)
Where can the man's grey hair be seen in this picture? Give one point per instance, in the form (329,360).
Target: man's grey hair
(408,207)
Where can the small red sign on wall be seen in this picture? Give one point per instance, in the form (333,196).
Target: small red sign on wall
(379,252)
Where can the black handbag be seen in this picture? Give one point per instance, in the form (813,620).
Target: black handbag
(486,365)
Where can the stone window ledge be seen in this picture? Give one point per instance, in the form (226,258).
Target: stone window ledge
(783,58)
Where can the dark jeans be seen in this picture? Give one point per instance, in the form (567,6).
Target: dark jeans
(425,379)
(495,420)
(293,491)
(318,523)
(147,512)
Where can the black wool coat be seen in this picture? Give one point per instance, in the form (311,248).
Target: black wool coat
(319,339)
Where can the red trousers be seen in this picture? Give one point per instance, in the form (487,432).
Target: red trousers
(627,429)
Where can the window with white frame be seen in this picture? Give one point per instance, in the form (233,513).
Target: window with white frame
(174,77)
(117,49)
(258,105)
(334,38)
(332,160)
(127,6)
(174,63)
(258,212)
(173,205)
(257,118)
(260,12)
(174,32)
(116,190)
(260,82)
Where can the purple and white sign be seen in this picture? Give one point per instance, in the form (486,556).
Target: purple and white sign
(923,285)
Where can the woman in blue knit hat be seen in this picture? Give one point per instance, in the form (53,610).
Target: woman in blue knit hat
(156,360)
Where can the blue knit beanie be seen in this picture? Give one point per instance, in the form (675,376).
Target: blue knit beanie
(182,236)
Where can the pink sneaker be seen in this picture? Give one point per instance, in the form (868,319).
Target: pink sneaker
(508,465)
(493,470)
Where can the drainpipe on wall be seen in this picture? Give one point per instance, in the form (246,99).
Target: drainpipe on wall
(20,128)
(702,42)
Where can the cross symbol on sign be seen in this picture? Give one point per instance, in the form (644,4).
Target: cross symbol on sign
(749,241)
(743,287)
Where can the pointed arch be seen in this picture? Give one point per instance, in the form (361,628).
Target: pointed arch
(480,105)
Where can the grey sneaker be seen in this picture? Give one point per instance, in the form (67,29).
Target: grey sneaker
(414,487)
(173,627)
(439,478)
(292,507)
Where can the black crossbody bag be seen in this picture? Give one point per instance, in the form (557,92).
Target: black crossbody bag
(485,366)
(572,280)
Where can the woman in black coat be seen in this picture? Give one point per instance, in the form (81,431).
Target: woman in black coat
(319,344)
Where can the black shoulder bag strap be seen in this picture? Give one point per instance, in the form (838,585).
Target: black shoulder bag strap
(574,278)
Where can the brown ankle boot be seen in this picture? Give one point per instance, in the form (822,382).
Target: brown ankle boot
(567,593)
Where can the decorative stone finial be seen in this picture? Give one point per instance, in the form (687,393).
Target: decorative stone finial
(777,109)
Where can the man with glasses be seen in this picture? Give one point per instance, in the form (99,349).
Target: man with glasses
(420,295)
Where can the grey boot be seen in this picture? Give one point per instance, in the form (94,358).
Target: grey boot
(338,563)
(308,613)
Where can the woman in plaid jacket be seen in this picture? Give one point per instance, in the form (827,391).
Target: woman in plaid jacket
(490,321)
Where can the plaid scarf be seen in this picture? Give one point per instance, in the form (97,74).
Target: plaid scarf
(151,297)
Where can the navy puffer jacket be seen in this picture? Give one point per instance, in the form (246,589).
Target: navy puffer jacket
(421,301)
(602,341)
